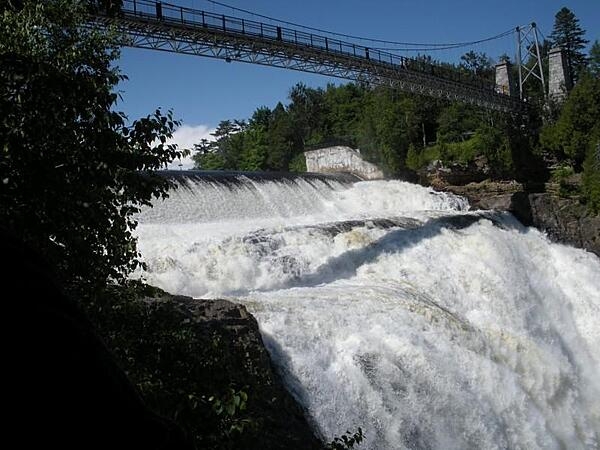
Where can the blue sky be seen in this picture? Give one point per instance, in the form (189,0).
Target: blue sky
(203,91)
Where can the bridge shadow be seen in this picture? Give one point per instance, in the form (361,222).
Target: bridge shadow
(347,264)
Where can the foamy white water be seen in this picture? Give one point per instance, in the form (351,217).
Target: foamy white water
(391,307)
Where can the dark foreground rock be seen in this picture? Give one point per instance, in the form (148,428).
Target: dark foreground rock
(565,220)
(62,388)
(136,369)
(237,361)
(203,364)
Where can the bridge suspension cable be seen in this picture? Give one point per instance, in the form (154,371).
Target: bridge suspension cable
(421,46)
(449,46)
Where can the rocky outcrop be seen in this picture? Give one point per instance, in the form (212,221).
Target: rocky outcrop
(437,174)
(246,362)
(204,364)
(565,220)
(341,159)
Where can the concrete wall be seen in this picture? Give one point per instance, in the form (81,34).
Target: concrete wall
(341,159)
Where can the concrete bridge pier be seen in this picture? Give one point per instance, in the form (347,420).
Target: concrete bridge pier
(559,79)
(504,80)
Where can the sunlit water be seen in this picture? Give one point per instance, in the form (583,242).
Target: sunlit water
(391,307)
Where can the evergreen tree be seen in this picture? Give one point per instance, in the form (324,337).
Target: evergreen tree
(568,35)
(284,139)
(594,59)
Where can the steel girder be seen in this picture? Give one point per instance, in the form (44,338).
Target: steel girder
(231,46)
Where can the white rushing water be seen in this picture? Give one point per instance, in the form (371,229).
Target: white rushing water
(391,307)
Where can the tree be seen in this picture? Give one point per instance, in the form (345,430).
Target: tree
(594,59)
(478,63)
(568,35)
(283,139)
(227,146)
(73,173)
(591,172)
(571,135)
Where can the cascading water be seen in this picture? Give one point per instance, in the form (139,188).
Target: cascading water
(391,307)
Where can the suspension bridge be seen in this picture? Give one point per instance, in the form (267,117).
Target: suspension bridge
(162,26)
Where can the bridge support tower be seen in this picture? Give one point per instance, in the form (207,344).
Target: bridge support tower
(559,81)
(504,79)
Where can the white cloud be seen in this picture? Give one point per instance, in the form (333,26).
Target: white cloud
(185,137)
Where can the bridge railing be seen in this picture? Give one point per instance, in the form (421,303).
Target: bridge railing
(192,18)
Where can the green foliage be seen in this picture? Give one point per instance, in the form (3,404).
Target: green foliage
(462,153)
(346,441)
(561,173)
(383,122)
(563,176)
(414,160)
(229,407)
(569,136)
(568,35)
(591,173)
(494,142)
(594,60)
(456,121)
(209,161)
(477,63)
(298,163)
(184,372)
(73,173)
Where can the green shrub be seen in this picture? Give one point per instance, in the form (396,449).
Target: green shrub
(563,176)
(298,163)
(414,159)
(591,174)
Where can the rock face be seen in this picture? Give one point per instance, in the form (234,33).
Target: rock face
(438,175)
(247,362)
(565,220)
(341,159)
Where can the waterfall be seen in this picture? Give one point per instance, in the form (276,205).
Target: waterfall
(395,308)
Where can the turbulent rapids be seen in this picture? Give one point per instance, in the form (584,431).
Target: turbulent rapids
(394,308)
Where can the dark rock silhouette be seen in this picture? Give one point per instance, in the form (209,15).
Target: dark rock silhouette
(62,388)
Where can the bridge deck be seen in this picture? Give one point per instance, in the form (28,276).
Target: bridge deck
(162,26)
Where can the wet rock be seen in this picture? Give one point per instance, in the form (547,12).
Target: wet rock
(565,220)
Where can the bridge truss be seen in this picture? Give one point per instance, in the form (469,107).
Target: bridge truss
(161,26)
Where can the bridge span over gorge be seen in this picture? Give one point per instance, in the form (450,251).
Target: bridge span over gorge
(162,26)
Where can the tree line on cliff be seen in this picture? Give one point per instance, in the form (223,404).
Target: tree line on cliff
(403,132)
